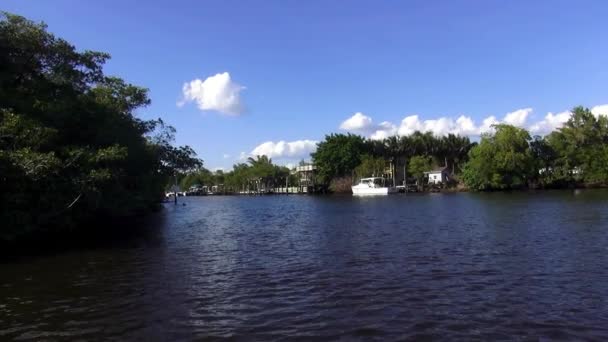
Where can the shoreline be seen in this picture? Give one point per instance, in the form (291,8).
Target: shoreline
(426,190)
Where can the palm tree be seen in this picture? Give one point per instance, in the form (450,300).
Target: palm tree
(393,151)
(455,149)
(261,171)
(376,148)
(408,149)
(259,160)
(450,145)
(424,143)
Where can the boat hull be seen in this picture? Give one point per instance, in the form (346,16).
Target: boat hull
(366,191)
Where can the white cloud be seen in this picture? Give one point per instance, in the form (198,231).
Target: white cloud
(409,125)
(464,125)
(363,124)
(226,156)
(243,156)
(218,93)
(550,123)
(600,110)
(283,149)
(518,118)
(384,130)
(486,125)
(359,122)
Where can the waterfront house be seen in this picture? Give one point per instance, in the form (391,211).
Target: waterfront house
(306,175)
(438,176)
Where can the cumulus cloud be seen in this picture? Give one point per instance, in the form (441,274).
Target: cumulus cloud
(226,156)
(384,130)
(518,118)
(600,110)
(284,149)
(359,122)
(217,92)
(486,125)
(363,124)
(463,125)
(550,123)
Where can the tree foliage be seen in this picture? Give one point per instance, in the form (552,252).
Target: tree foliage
(575,153)
(418,165)
(502,160)
(258,173)
(71,149)
(370,167)
(341,154)
(338,155)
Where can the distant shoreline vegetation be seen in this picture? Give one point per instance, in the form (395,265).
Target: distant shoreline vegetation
(506,158)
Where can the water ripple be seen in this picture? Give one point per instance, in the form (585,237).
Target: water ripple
(500,267)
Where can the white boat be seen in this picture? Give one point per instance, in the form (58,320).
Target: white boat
(372,186)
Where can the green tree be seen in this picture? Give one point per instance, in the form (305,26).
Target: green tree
(418,165)
(502,160)
(71,150)
(238,178)
(338,155)
(370,167)
(454,150)
(582,145)
(544,157)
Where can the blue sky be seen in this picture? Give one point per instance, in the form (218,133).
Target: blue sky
(293,71)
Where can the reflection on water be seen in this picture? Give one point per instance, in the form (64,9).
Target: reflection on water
(467,266)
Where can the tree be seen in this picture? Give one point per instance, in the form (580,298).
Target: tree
(418,165)
(544,157)
(370,167)
(454,149)
(502,160)
(262,171)
(71,150)
(338,155)
(582,145)
(238,178)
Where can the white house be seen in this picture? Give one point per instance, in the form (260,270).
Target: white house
(438,176)
(306,173)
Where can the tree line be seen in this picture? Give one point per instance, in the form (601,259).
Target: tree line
(507,157)
(574,155)
(340,157)
(72,152)
(346,156)
(257,174)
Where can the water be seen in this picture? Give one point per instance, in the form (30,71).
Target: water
(457,266)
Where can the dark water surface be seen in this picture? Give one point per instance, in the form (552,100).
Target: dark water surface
(444,266)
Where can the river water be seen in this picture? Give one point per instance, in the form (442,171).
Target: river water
(429,266)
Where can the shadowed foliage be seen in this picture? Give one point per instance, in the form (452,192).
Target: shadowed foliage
(71,149)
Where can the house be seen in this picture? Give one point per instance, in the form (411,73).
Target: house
(438,176)
(306,174)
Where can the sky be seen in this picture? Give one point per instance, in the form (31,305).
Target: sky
(240,78)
